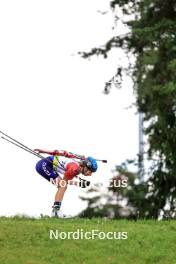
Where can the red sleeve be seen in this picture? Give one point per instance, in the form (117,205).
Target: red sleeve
(72,169)
(66,154)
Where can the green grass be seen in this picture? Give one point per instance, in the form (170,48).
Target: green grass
(27,241)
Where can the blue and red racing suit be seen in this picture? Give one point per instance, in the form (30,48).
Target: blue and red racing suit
(55,166)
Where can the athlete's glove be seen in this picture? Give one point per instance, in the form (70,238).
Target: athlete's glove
(83,183)
(37,150)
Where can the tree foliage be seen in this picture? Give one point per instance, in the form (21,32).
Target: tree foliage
(152,41)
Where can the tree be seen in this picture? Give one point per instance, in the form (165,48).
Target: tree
(152,41)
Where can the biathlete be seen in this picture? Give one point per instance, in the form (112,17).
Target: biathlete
(58,169)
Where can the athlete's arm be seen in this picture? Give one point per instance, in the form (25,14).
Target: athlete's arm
(60,153)
(44,151)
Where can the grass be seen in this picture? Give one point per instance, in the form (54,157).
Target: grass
(27,241)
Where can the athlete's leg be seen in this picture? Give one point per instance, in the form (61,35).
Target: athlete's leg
(62,187)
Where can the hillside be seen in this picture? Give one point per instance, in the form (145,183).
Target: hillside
(28,241)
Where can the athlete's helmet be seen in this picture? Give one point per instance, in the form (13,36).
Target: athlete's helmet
(91,163)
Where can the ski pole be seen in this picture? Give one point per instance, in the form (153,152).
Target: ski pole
(24,147)
(40,156)
(27,149)
(82,157)
(19,143)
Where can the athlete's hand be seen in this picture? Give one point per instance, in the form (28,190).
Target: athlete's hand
(37,150)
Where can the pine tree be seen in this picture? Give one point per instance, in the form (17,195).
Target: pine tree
(152,42)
